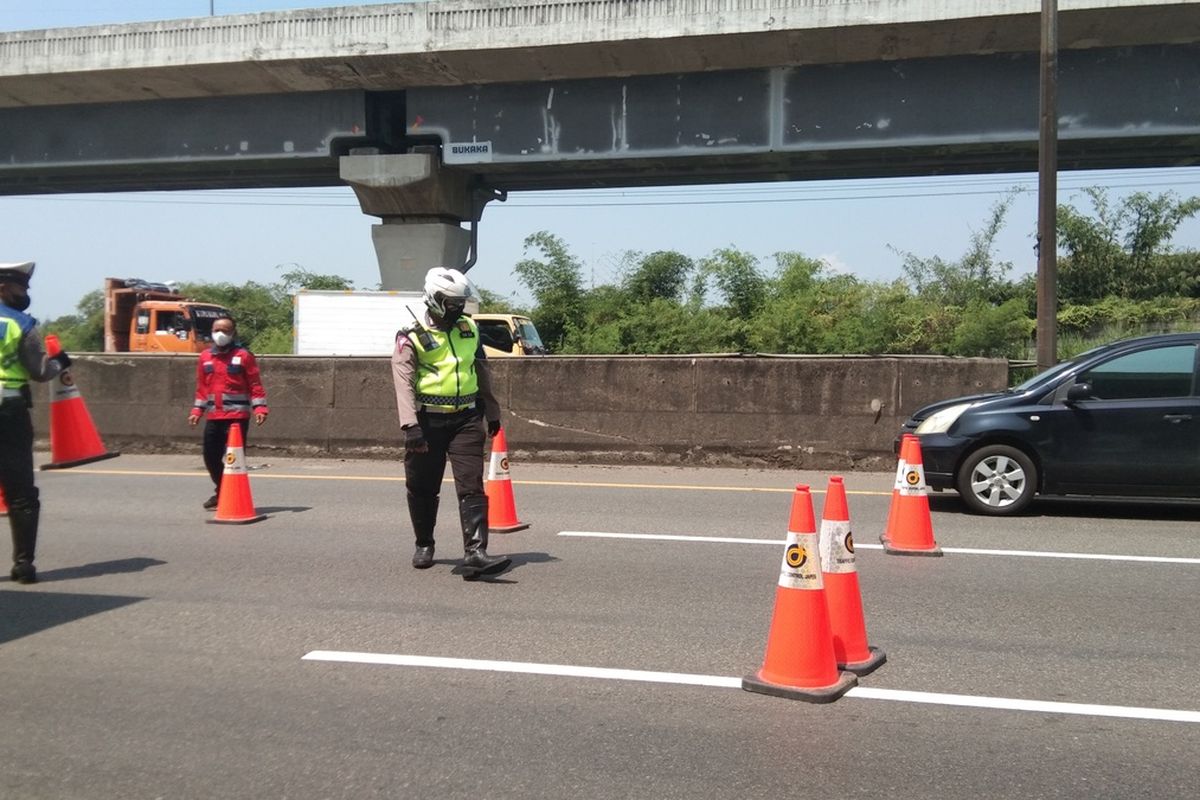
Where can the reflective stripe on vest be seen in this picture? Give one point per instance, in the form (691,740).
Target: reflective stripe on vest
(446,372)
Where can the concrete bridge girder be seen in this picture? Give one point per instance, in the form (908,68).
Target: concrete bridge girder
(421,205)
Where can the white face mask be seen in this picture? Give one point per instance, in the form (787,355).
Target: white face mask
(222,339)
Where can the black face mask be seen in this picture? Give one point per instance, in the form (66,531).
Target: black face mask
(19,303)
(452,312)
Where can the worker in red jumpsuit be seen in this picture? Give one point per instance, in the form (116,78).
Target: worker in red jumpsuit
(229,389)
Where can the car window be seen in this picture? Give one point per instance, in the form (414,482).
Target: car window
(496,334)
(1160,372)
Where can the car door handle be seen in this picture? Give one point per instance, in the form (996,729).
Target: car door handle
(1175,419)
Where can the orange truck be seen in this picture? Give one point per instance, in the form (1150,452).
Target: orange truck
(145,317)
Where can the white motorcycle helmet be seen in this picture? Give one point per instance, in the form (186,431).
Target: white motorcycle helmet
(444,285)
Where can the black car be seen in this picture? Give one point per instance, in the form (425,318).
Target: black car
(1122,419)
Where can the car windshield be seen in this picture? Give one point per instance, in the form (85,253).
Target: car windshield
(529,336)
(1053,372)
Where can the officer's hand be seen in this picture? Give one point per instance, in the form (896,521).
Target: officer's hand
(62,359)
(414,439)
(193,419)
(493,427)
(259,418)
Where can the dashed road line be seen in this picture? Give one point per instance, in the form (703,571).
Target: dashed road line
(729,682)
(686,487)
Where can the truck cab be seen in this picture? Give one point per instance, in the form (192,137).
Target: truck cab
(505,335)
(152,318)
(161,326)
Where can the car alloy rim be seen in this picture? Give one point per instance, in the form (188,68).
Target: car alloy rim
(998,481)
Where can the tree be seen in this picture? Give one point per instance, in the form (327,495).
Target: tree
(83,331)
(1124,250)
(977,275)
(556,282)
(662,274)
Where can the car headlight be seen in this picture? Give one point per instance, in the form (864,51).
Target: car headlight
(940,421)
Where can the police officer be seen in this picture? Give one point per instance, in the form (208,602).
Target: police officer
(22,358)
(229,388)
(443,395)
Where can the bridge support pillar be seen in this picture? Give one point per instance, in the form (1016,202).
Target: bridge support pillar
(421,205)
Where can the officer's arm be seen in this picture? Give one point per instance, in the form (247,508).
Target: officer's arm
(258,395)
(404,370)
(33,357)
(483,375)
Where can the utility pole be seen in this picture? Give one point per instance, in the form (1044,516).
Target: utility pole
(1047,237)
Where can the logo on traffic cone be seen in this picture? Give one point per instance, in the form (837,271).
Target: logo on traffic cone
(73,437)
(909,527)
(799,662)
(234,504)
(840,573)
(502,512)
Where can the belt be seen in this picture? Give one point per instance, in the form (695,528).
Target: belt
(444,410)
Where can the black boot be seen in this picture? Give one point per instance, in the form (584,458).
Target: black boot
(473,511)
(423,513)
(23,517)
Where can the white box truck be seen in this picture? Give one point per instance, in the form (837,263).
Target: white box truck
(361,323)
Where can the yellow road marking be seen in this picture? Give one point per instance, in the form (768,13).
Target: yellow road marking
(400,479)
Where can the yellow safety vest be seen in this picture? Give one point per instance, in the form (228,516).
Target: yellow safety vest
(13,327)
(446,379)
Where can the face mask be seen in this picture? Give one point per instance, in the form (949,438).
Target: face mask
(19,303)
(222,339)
(453,312)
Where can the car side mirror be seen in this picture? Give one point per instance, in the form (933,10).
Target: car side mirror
(1080,391)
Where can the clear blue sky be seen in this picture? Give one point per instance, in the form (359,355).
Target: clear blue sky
(78,240)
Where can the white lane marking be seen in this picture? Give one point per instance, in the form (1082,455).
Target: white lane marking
(1017,704)
(969,551)
(727,682)
(565,670)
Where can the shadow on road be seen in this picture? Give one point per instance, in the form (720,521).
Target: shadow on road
(116,567)
(518,560)
(280,509)
(1086,507)
(30,611)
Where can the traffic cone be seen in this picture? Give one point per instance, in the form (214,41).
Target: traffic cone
(840,573)
(909,527)
(899,481)
(73,437)
(799,662)
(502,512)
(234,504)
(3,505)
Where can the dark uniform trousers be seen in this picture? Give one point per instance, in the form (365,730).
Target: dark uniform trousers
(16,475)
(216,438)
(460,438)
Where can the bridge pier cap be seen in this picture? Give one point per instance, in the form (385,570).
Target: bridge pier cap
(421,205)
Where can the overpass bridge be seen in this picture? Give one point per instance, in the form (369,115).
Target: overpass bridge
(430,110)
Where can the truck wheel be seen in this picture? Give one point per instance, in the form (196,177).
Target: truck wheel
(997,480)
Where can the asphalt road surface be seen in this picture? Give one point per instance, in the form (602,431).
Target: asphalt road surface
(301,657)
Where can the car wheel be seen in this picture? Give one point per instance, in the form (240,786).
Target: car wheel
(997,480)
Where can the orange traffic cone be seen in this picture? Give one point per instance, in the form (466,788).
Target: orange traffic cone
(899,481)
(73,437)
(799,662)
(234,504)
(502,512)
(840,572)
(3,505)
(909,527)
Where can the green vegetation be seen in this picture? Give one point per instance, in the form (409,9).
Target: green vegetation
(1119,277)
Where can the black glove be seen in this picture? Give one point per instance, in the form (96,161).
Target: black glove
(62,359)
(414,437)
(493,427)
